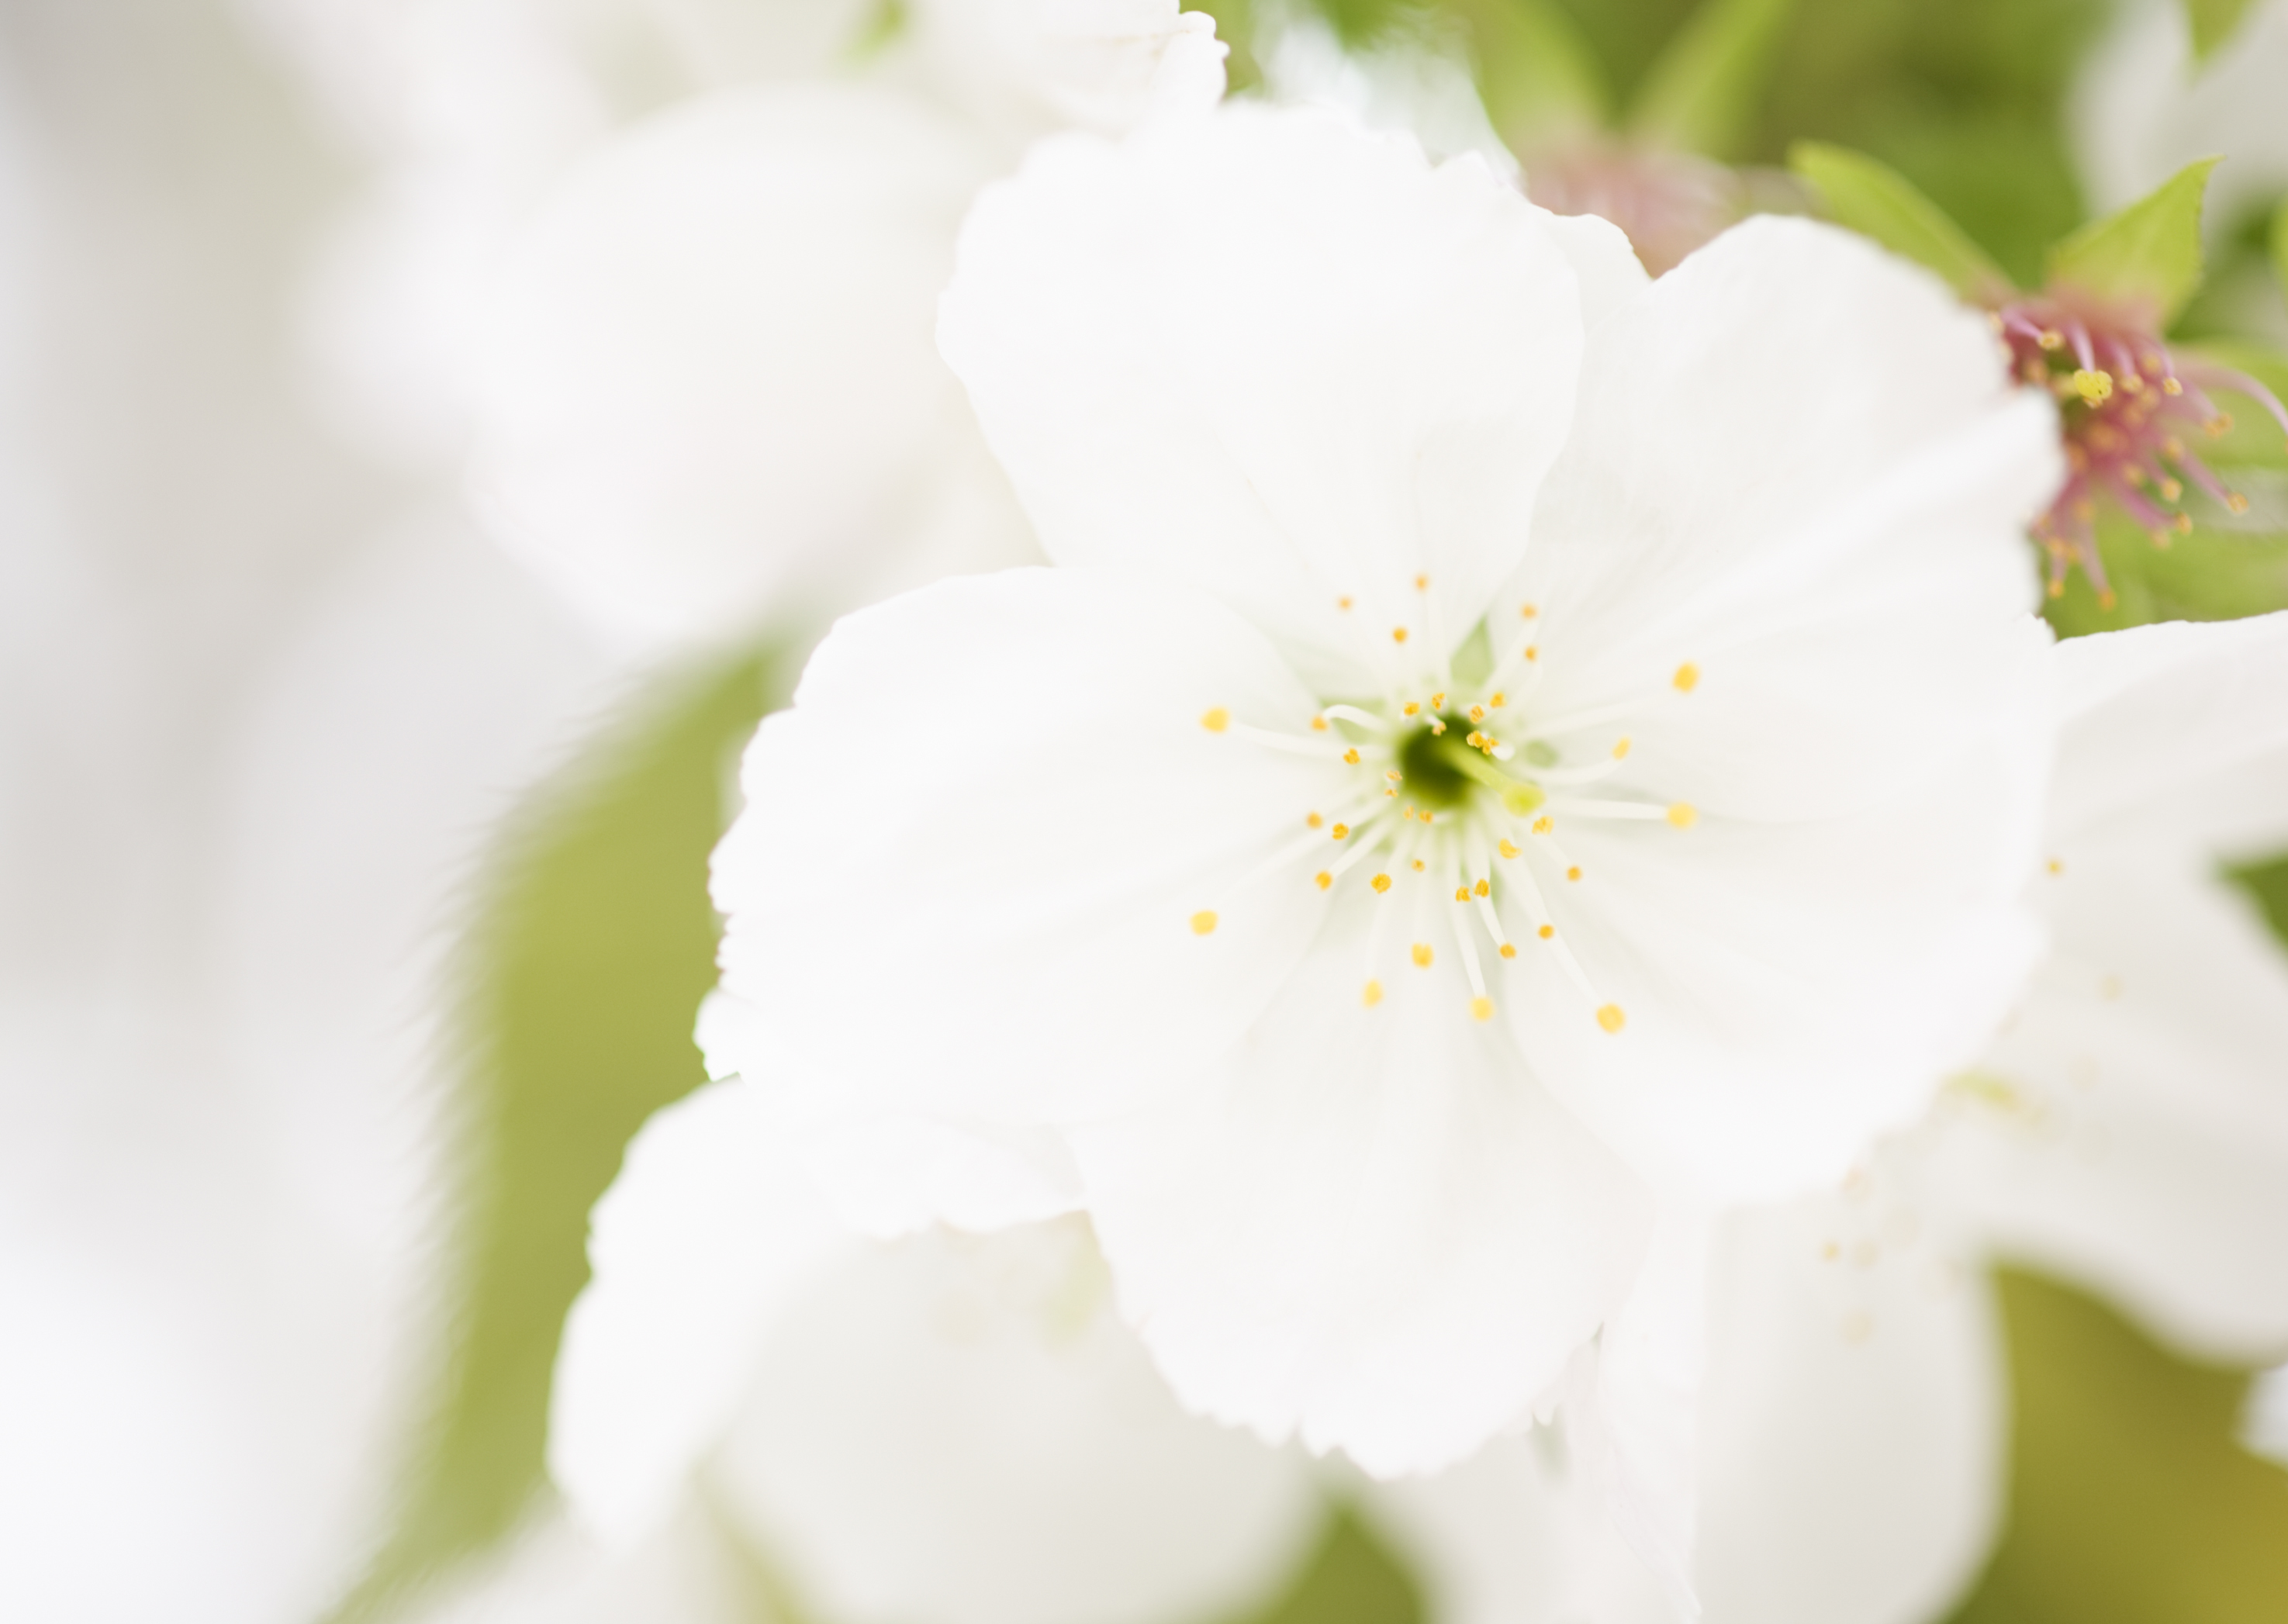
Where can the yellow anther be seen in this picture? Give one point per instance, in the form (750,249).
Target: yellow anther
(1532,652)
(1312,821)
(1573,873)
(1477,713)
(1437,728)
(1461,893)
(1204,922)
(1318,724)
(2057,865)
(1611,1018)
(1482,888)
(1394,776)
(1422,955)
(1409,812)
(1476,740)
(1381,883)
(1370,994)
(1425,817)
(1437,701)
(1547,931)
(1341,831)
(1542,826)
(1528,611)
(1351,755)
(2236,502)
(1509,950)
(1506,849)
(1216,720)
(1417,865)
(2171,490)
(1497,702)
(1687,677)
(2106,599)
(2219,425)
(2182,524)
(1482,1009)
(2050,338)
(1620,750)
(1323,878)
(1421,583)
(2170,386)
(1409,708)
(1398,634)
(1681,816)
(2095,387)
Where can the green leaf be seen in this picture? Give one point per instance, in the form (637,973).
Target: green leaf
(1537,77)
(2280,244)
(591,943)
(1875,201)
(1234,22)
(1705,87)
(2129,1501)
(2255,440)
(2212,23)
(2149,255)
(1351,1578)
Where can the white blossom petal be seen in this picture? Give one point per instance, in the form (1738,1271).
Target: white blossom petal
(1275,356)
(1028,66)
(1779,579)
(697,1248)
(710,390)
(959,1430)
(1365,1226)
(1041,884)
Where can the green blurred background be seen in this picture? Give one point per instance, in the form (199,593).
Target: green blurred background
(2129,1501)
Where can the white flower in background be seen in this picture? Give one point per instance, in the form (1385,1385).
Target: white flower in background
(1366,916)
(2143,108)
(691,355)
(941,1430)
(2129,1131)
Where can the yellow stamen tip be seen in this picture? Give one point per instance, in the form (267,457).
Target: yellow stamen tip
(1417,865)
(1341,831)
(1506,849)
(1204,922)
(1437,701)
(1547,931)
(1421,583)
(1351,755)
(1573,873)
(1509,950)
(1542,826)
(1532,653)
(1497,702)
(1342,603)
(1528,611)
(2057,865)
(1687,677)
(1477,713)
(1461,893)
(1681,816)
(1410,709)
(1318,724)
(1381,883)
(1482,1009)
(1422,955)
(1620,750)
(2095,386)
(1216,720)
(1611,1018)
(1482,888)
(1398,634)
(1324,879)
(1313,821)
(1370,994)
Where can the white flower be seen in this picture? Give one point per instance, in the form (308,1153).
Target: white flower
(2128,1132)
(947,1429)
(1161,855)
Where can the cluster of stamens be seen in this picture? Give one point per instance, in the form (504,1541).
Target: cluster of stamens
(2127,406)
(1456,800)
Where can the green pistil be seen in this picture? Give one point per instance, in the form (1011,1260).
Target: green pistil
(1440,770)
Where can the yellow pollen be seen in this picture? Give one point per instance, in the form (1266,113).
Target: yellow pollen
(1482,1009)
(2051,338)
(2219,425)
(1542,826)
(1687,677)
(1370,994)
(1396,776)
(1611,1018)
(1417,865)
(1461,893)
(1497,701)
(1421,583)
(1425,817)
(1410,709)
(1506,849)
(1340,831)
(2236,502)
(2057,865)
(1532,653)
(1437,701)
(1620,750)
(1351,755)
(1313,821)
(2182,524)
(1477,713)
(1547,931)
(1422,955)
(1573,873)
(1528,611)
(1681,816)
(2095,387)
(1508,950)
(2170,386)
(1318,724)
(1437,728)
(2171,490)
(1204,922)
(1381,884)
(1398,634)
(1476,740)
(1483,887)
(1215,721)
(1409,812)
(1324,879)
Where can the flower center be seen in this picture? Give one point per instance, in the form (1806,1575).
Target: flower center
(1447,820)
(2126,406)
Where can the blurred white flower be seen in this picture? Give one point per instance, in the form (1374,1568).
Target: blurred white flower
(943,1430)
(2264,1424)
(1201,868)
